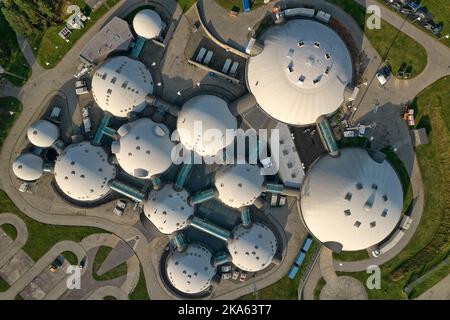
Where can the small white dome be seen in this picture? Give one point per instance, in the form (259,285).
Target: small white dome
(252,249)
(202,125)
(239,185)
(147,24)
(28,167)
(43,133)
(82,172)
(191,271)
(144,148)
(120,86)
(351,200)
(168,209)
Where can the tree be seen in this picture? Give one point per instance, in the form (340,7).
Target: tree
(18,22)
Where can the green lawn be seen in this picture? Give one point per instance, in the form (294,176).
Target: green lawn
(41,237)
(237,4)
(319,286)
(430,244)
(100,257)
(351,255)
(15,62)
(10,230)
(140,292)
(396,48)
(3,285)
(186,4)
(51,48)
(286,288)
(10,109)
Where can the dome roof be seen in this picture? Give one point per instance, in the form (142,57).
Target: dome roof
(147,24)
(202,125)
(351,200)
(252,249)
(302,73)
(82,172)
(168,209)
(144,148)
(239,185)
(43,133)
(28,167)
(191,271)
(120,86)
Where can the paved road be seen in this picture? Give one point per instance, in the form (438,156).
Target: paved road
(29,55)
(107,291)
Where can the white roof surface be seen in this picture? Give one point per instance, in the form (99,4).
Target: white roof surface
(120,86)
(252,249)
(202,124)
(82,172)
(168,209)
(191,271)
(43,133)
(342,200)
(301,73)
(28,167)
(144,148)
(239,185)
(147,24)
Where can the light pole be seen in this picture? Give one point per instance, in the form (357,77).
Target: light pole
(447,36)
(3,71)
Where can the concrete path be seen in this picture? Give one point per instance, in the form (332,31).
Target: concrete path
(29,56)
(106,291)
(22,236)
(440,291)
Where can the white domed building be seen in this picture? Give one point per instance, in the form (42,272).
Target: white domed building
(43,133)
(148,24)
(239,185)
(120,85)
(82,172)
(302,72)
(168,209)
(203,123)
(191,271)
(351,202)
(144,148)
(252,249)
(28,167)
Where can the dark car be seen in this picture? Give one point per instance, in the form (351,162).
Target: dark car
(58,262)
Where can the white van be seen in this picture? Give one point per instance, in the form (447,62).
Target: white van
(381,78)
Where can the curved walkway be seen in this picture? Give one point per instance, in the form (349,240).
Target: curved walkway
(22,236)
(106,291)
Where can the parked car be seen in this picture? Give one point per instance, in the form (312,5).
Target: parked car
(80,84)
(82,90)
(235,275)
(24,186)
(243,276)
(58,262)
(226,276)
(55,114)
(381,78)
(226,268)
(120,207)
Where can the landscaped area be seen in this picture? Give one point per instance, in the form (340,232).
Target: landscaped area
(100,257)
(11,58)
(140,292)
(41,237)
(51,48)
(396,48)
(430,244)
(10,109)
(186,4)
(285,288)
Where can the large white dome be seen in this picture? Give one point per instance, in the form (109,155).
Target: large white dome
(168,209)
(120,86)
(43,133)
(144,148)
(147,24)
(302,73)
(82,172)
(28,167)
(351,200)
(202,125)
(252,249)
(191,271)
(239,185)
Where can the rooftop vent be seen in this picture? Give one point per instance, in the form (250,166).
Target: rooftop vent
(348,196)
(373,224)
(327,56)
(317,44)
(357,224)
(384,213)
(347,212)
(359,186)
(300,81)
(301,44)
